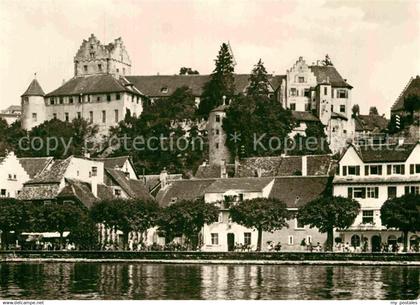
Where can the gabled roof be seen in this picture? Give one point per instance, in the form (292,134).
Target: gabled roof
(91,84)
(304,116)
(54,174)
(370,123)
(295,192)
(412,88)
(134,188)
(79,190)
(244,184)
(34,166)
(329,74)
(384,153)
(183,190)
(165,85)
(115,162)
(12,109)
(39,191)
(34,89)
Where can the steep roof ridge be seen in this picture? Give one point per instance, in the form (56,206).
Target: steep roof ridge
(402,92)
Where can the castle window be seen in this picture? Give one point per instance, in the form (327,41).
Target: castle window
(342,108)
(217,118)
(100,67)
(52,101)
(325,90)
(94,171)
(214,238)
(301,79)
(108,97)
(332,108)
(306,93)
(116,115)
(118,70)
(80,98)
(66,115)
(26,99)
(292,106)
(91,116)
(3,193)
(217,131)
(55,116)
(117,96)
(79,115)
(414,169)
(103,116)
(217,145)
(34,117)
(247,238)
(61,100)
(98,98)
(293,91)
(123,71)
(342,93)
(70,100)
(85,68)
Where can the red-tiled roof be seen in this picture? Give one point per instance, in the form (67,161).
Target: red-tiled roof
(295,192)
(329,74)
(91,84)
(183,190)
(54,174)
(34,166)
(385,153)
(34,89)
(134,188)
(165,85)
(304,116)
(371,123)
(79,190)
(412,88)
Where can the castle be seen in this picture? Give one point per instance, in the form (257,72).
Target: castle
(102,91)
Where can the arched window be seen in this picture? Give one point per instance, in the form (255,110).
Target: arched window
(355,241)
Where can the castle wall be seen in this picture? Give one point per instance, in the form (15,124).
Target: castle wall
(218,150)
(33,111)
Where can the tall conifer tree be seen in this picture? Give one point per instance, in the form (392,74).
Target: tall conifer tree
(258,81)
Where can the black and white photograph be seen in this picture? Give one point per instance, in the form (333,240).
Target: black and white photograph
(210,150)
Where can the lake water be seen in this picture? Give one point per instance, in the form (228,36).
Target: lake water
(201,282)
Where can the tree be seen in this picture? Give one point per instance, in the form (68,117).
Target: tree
(328,213)
(84,234)
(402,213)
(58,217)
(187,218)
(412,103)
(14,216)
(126,215)
(171,120)
(258,81)
(355,110)
(314,142)
(257,120)
(221,83)
(373,111)
(187,71)
(262,214)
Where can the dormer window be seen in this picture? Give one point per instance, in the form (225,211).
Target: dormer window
(164,90)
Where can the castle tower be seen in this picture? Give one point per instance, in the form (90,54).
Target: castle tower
(95,58)
(218,152)
(33,106)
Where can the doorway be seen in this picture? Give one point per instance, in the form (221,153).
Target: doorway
(376,243)
(231,241)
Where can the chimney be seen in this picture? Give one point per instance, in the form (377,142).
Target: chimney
(304,165)
(223,173)
(94,187)
(163,177)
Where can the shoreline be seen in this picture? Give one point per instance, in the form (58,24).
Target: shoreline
(213,261)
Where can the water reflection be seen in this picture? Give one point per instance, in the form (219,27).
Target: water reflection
(154,281)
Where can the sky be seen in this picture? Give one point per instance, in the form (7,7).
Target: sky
(375,45)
